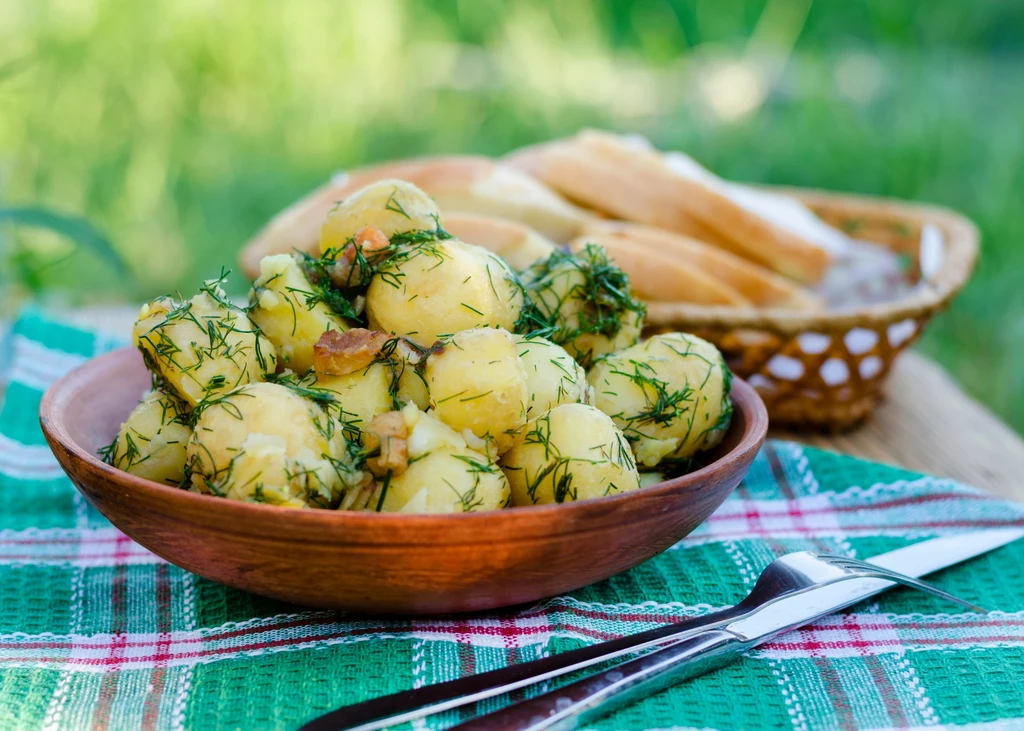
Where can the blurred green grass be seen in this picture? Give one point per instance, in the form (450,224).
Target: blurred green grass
(178,127)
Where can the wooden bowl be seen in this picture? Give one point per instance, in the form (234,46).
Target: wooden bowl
(381,563)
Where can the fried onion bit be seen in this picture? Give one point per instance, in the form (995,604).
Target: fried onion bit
(389,433)
(339,353)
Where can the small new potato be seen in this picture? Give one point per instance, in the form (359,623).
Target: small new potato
(552,376)
(477,382)
(285,307)
(264,443)
(152,441)
(203,347)
(392,206)
(444,473)
(573,452)
(669,395)
(428,290)
(586,298)
(447,481)
(361,395)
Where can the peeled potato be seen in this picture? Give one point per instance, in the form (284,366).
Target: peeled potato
(586,299)
(669,395)
(152,441)
(573,452)
(264,443)
(447,481)
(361,395)
(286,308)
(428,290)
(477,382)
(444,474)
(203,347)
(552,376)
(393,206)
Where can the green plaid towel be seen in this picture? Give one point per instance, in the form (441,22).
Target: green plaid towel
(96,632)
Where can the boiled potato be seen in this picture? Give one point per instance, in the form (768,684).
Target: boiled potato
(436,288)
(669,395)
(203,347)
(428,434)
(152,442)
(444,474)
(573,452)
(392,206)
(586,299)
(478,383)
(446,481)
(265,443)
(552,376)
(286,308)
(361,395)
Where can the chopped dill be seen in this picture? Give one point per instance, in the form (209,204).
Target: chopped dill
(577,294)
(392,204)
(383,491)
(342,274)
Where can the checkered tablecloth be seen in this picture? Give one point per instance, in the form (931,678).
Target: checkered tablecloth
(96,632)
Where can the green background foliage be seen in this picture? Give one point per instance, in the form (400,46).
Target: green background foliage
(178,127)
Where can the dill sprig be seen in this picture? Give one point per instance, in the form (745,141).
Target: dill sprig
(385,483)
(108,453)
(223,400)
(573,294)
(663,403)
(477,467)
(725,410)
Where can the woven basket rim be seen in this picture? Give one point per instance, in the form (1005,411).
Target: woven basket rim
(962,244)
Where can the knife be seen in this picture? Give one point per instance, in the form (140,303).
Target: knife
(674,652)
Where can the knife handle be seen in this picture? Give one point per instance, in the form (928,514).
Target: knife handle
(409,705)
(598,695)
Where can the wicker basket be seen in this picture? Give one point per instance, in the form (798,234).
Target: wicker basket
(826,370)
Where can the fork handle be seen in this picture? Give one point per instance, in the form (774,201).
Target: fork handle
(581,702)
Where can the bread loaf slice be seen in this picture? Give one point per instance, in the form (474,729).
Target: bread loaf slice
(631,180)
(656,276)
(517,244)
(761,287)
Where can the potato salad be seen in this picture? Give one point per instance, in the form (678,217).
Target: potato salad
(402,370)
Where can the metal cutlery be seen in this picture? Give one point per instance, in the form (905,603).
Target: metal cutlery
(793,590)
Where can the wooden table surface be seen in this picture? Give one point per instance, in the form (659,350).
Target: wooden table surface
(926,424)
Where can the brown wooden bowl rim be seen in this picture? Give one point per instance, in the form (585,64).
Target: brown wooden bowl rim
(744,397)
(962,246)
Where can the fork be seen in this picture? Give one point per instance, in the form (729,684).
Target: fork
(664,655)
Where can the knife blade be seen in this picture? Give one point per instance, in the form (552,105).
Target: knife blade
(915,560)
(748,628)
